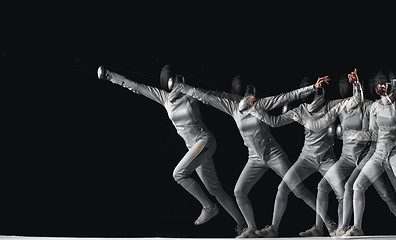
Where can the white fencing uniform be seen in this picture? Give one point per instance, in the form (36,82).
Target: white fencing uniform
(264,151)
(316,155)
(382,130)
(185,116)
(353,113)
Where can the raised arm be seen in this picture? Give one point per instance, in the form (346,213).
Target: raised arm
(366,115)
(373,126)
(153,93)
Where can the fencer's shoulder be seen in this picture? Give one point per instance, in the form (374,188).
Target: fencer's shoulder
(377,102)
(376,106)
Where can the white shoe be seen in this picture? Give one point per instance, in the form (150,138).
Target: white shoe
(240,228)
(353,231)
(312,232)
(207,214)
(331,228)
(340,231)
(268,231)
(248,233)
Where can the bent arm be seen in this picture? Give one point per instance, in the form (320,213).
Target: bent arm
(357,96)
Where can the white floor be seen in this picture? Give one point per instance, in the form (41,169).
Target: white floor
(388,237)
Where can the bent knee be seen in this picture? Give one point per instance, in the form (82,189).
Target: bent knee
(349,186)
(240,192)
(283,188)
(178,175)
(324,186)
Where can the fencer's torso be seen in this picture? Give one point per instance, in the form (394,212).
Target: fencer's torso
(353,113)
(383,120)
(183,112)
(354,117)
(316,144)
(255,134)
(185,116)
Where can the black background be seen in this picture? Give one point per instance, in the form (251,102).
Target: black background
(84,157)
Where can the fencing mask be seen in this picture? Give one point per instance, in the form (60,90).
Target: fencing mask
(345,87)
(168,78)
(237,85)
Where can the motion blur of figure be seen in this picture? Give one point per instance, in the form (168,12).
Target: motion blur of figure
(317,155)
(353,113)
(184,113)
(382,130)
(264,151)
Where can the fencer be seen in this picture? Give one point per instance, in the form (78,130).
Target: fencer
(184,113)
(382,130)
(353,115)
(317,155)
(264,151)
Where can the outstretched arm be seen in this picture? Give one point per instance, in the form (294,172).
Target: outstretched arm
(269,103)
(153,93)
(277,121)
(272,102)
(221,101)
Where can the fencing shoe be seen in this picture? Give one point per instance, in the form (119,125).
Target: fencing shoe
(312,232)
(340,231)
(207,213)
(353,231)
(248,233)
(331,228)
(240,228)
(268,231)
